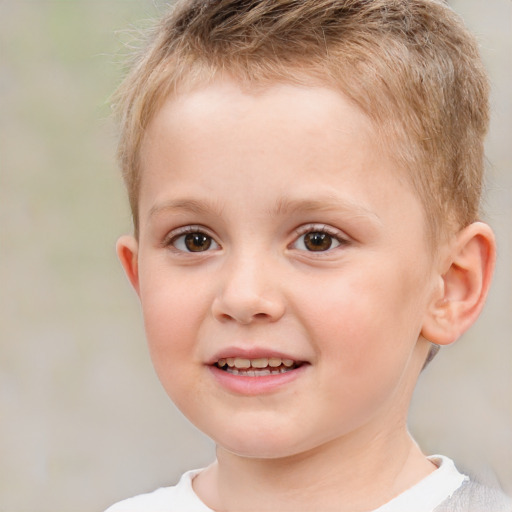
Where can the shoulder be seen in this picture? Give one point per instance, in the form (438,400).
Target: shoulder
(178,498)
(476,496)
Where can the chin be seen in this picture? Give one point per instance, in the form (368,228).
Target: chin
(253,451)
(261,443)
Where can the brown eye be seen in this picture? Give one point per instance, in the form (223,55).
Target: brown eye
(192,240)
(317,241)
(197,242)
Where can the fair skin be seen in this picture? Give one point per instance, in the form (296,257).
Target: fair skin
(272,229)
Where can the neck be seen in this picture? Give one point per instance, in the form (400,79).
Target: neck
(363,474)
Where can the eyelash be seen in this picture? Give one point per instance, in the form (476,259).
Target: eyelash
(334,235)
(172,239)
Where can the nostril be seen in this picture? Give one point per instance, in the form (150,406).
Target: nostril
(246,309)
(225,317)
(244,319)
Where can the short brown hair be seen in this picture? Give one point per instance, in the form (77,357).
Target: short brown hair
(410,65)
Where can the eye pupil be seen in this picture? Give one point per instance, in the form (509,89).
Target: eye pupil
(197,242)
(317,241)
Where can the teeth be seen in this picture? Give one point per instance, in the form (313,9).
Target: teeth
(274,362)
(256,372)
(272,365)
(262,362)
(242,363)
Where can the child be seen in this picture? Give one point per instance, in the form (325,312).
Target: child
(304,177)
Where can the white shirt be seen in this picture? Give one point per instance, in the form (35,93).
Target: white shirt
(425,496)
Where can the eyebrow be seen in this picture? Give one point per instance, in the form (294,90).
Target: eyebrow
(323,204)
(283,206)
(186,205)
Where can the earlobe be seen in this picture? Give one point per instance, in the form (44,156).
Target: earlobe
(462,288)
(127,249)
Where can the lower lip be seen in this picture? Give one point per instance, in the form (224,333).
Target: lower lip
(245,385)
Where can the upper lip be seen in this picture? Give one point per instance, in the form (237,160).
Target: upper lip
(251,353)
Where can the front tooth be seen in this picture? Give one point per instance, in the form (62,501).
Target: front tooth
(242,363)
(288,362)
(274,362)
(262,362)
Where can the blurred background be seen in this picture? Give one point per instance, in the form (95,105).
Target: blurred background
(83,420)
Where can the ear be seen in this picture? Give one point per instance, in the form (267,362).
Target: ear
(462,288)
(127,249)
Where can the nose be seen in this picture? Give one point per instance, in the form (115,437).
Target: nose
(249,292)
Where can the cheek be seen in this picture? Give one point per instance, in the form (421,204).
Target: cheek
(171,333)
(365,317)
(172,311)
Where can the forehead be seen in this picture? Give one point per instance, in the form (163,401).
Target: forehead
(285,133)
(319,114)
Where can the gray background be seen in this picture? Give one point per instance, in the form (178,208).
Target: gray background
(83,420)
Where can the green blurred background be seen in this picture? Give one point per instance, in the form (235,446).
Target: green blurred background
(83,421)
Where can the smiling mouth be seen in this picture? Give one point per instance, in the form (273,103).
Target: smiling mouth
(260,367)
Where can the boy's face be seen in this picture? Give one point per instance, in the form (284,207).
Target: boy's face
(272,227)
